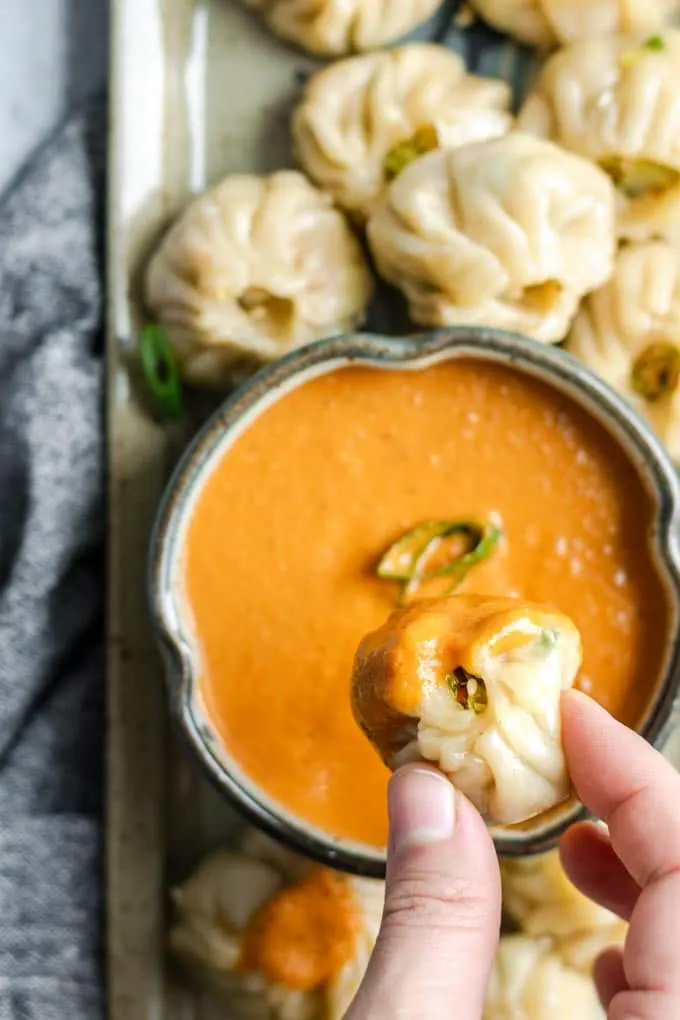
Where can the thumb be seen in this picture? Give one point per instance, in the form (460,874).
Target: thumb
(441,920)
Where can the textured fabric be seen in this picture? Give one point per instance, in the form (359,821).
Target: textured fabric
(51,581)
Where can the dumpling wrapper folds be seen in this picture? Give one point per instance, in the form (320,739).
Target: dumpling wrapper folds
(356,111)
(616,101)
(251,270)
(547,23)
(507,233)
(335,27)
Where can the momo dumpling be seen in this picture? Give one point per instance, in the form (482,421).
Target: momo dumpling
(507,233)
(253,269)
(361,120)
(546,23)
(530,982)
(473,684)
(522,19)
(273,948)
(628,332)
(616,101)
(334,27)
(541,900)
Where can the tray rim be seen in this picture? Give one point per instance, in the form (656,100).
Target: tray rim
(134,935)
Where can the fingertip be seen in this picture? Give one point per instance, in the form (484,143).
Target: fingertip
(431,819)
(422,807)
(579,710)
(425,807)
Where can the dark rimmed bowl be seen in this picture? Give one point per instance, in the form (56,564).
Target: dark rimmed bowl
(171,618)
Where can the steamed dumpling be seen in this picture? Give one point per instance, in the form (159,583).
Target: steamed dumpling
(507,233)
(530,982)
(334,27)
(473,684)
(362,118)
(251,270)
(539,897)
(628,332)
(275,949)
(548,22)
(616,100)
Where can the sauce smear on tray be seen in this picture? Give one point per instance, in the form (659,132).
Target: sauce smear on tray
(285,537)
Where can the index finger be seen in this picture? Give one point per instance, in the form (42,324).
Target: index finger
(626,783)
(629,785)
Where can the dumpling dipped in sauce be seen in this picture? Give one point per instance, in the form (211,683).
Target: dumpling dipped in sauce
(473,684)
(274,939)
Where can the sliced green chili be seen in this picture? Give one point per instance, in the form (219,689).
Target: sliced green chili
(398,158)
(161,370)
(399,562)
(407,559)
(656,371)
(468,689)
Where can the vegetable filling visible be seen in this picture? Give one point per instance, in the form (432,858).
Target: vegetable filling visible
(400,155)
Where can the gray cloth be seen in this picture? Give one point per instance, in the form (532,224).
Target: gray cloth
(52,581)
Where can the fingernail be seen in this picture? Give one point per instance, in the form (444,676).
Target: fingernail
(422,807)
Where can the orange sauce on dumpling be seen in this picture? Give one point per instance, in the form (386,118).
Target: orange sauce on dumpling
(305,934)
(285,536)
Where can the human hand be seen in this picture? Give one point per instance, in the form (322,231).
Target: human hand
(442,907)
(635,869)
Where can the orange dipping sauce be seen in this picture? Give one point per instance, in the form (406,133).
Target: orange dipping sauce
(284,538)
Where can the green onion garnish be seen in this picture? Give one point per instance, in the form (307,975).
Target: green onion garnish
(161,370)
(468,689)
(655,43)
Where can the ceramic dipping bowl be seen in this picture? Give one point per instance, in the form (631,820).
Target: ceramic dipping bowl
(172,617)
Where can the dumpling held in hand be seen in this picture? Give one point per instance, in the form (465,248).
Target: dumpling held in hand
(616,101)
(333,27)
(252,269)
(363,119)
(530,982)
(628,332)
(272,948)
(508,233)
(473,684)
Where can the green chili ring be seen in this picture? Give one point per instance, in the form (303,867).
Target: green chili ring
(405,560)
(485,538)
(161,371)
(411,547)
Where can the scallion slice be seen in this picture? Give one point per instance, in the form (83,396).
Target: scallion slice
(161,370)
